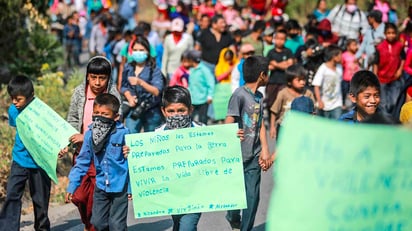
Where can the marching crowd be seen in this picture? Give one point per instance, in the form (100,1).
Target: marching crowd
(343,63)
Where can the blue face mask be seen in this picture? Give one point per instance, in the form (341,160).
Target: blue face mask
(139,56)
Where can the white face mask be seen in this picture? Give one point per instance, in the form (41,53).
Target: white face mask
(351,8)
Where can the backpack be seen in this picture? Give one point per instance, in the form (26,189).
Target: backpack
(342,42)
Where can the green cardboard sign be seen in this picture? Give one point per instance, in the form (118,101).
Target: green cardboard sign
(221,98)
(336,176)
(44,133)
(189,170)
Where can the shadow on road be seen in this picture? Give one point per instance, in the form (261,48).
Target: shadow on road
(260,227)
(67,225)
(158,225)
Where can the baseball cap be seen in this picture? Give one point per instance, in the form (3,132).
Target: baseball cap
(195,55)
(177,25)
(303,104)
(269,31)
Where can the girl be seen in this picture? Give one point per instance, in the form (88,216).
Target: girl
(181,75)
(142,84)
(350,67)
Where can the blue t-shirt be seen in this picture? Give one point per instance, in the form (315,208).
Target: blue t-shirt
(20,154)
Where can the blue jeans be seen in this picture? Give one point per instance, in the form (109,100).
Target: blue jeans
(252,174)
(39,184)
(109,210)
(150,120)
(389,95)
(186,222)
(333,114)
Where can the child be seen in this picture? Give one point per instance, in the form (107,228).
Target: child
(24,168)
(103,144)
(201,86)
(97,81)
(280,58)
(176,108)
(365,94)
(181,75)
(350,67)
(246,109)
(296,78)
(327,83)
(388,65)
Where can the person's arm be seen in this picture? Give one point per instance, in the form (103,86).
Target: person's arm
(376,63)
(408,63)
(210,81)
(318,98)
(156,85)
(264,156)
(398,73)
(165,55)
(83,161)
(272,129)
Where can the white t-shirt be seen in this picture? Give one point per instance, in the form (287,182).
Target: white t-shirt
(329,82)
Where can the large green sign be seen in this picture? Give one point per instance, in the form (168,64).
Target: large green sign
(336,176)
(189,170)
(44,133)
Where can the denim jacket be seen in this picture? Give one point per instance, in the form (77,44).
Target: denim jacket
(112,173)
(153,76)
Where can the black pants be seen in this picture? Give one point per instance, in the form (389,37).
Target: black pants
(109,210)
(39,184)
(201,111)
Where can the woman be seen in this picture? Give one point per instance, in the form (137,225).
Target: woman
(321,11)
(142,85)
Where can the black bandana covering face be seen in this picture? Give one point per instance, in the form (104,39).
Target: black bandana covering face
(178,121)
(101,129)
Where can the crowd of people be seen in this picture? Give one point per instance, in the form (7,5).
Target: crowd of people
(343,63)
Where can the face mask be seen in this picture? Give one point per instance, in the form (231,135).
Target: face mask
(101,129)
(293,35)
(139,56)
(178,121)
(351,8)
(325,33)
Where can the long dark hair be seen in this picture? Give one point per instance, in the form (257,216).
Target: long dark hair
(145,43)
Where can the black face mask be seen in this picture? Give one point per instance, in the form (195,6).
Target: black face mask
(101,129)
(293,35)
(325,33)
(178,121)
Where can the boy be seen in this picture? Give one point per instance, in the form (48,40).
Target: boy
(24,168)
(102,145)
(246,109)
(97,81)
(201,86)
(327,83)
(177,108)
(365,94)
(280,58)
(296,78)
(388,66)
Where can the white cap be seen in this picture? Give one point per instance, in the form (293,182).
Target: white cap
(227,2)
(177,25)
